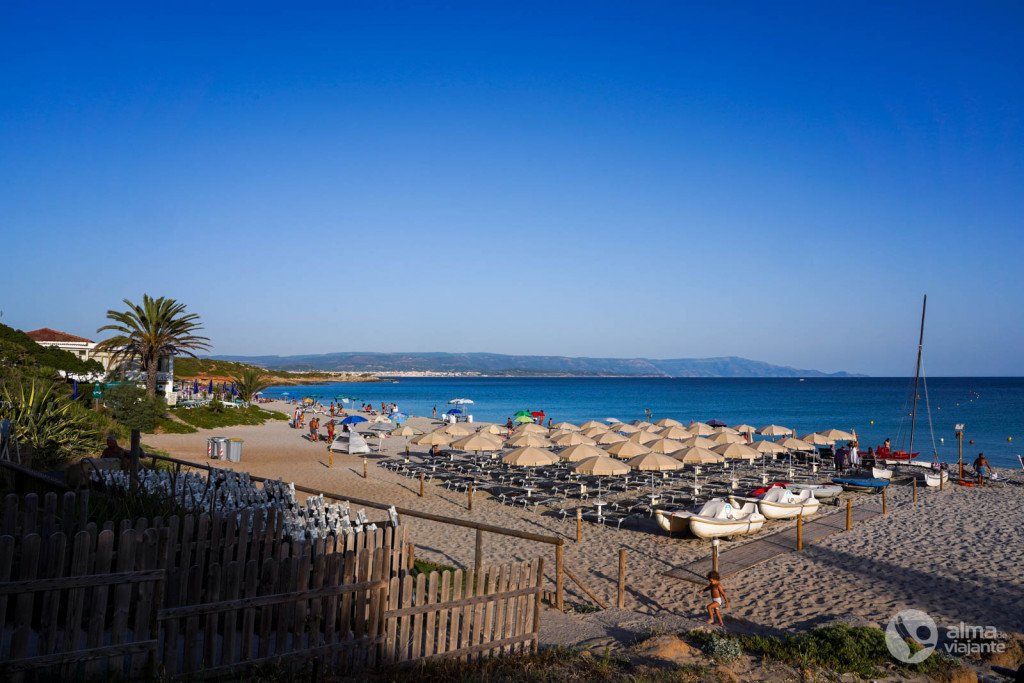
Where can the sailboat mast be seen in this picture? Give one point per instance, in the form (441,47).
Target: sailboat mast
(917,376)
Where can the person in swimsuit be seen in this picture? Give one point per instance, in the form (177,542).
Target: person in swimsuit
(982,468)
(718,598)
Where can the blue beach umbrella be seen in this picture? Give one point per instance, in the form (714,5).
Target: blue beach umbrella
(455,411)
(353,419)
(74,390)
(210,389)
(397,418)
(195,386)
(234,389)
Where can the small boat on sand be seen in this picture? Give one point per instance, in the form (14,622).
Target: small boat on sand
(936,479)
(822,492)
(862,484)
(716,518)
(881,473)
(781,503)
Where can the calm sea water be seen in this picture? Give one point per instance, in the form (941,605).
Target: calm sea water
(991,408)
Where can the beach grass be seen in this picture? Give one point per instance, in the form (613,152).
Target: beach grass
(213,417)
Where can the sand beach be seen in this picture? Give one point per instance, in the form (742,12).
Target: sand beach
(955,554)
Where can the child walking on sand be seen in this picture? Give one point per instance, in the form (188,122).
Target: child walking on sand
(718,596)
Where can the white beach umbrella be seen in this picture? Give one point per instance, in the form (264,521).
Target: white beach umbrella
(627,449)
(529,456)
(654,462)
(581,452)
(602,465)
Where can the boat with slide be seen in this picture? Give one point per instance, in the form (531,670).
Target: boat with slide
(716,518)
(781,503)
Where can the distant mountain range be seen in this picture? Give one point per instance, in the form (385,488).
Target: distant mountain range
(508,365)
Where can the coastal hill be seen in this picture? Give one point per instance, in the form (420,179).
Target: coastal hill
(505,365)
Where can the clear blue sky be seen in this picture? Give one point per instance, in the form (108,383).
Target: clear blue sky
(780,181)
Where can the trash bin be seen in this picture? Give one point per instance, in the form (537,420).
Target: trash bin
(234,450)
(469,418)
(215,447)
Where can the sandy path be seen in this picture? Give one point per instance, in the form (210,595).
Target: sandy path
(957,555)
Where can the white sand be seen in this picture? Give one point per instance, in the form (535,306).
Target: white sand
(958,555)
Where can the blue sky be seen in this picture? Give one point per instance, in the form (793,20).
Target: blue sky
(781,181)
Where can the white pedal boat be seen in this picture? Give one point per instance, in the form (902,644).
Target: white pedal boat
(781,503)
(881,473)
(820,491)
(935,479)
(716,518)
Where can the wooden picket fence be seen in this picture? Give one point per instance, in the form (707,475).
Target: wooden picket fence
(207,595)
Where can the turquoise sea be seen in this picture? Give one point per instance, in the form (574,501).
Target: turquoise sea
(991,408)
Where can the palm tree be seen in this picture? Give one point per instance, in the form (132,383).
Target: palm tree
(249,382)
(146,333)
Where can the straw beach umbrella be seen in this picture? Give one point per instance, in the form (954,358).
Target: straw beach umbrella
(438,438)
(675,432)
(624,428)
(496,430)
(668,422)
(654,462)
(572,439)
(726,437)
(697,456)
(406,430)
(817,439)
(774,430)
(700,429)
(737,451)
(837,435)
(641,424)
(792,444)
(568,426)
(627,449)
(594,432)
(457,430)
(665,446)
(644,436)
(768,448)
(609,438)
(603,466)
(534,440)
(477,443)
(528,456)
(581,452)
(592,423)
(699,442)
(529,428)
(745,429)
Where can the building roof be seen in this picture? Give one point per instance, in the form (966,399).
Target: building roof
(45,334)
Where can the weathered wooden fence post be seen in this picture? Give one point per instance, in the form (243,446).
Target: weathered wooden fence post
(621,599)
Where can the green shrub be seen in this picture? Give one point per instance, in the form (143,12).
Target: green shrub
(55,427)
(166,425)
(131,406)
(208,417)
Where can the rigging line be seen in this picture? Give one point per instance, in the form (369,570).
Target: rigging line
(928,408)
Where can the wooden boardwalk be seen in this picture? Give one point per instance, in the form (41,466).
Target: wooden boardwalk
(745,556)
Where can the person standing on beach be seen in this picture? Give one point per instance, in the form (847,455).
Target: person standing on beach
(435,412)
(981,467)
(314,429)
(718,598)
(330,433)
(508,424)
